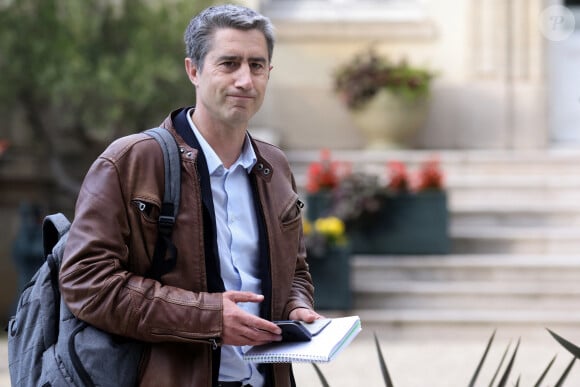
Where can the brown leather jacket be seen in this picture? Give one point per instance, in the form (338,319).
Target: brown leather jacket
(111,242)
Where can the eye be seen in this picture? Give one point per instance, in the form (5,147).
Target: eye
(229,65)
(257,67)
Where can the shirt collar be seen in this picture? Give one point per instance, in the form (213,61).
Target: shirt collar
(247,158)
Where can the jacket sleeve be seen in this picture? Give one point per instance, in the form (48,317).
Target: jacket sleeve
(302,290)
(301,295)
(98,276)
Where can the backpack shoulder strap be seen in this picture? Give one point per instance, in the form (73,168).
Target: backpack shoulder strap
(165,254)
(170,150)
(54,226)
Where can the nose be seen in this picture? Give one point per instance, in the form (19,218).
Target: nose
(244,77)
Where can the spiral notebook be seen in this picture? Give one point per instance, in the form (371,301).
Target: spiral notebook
(321,349)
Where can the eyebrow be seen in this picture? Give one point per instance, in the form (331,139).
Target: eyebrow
(238,58)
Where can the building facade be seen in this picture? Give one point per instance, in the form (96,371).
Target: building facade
(505,77)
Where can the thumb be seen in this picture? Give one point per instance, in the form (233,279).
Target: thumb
(239,296)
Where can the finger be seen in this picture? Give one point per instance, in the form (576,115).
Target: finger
(239,296)
(303,314)
(263,325)
(256,335)
(248,335)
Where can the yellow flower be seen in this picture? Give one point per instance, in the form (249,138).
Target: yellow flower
(324,233)
(331,227)
(306,226)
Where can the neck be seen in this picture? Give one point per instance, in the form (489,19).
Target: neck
(226,141)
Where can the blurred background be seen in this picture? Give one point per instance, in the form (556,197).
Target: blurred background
(502,118)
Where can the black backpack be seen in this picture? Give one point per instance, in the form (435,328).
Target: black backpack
(47,344)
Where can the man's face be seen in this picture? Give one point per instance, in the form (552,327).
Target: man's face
(231,86)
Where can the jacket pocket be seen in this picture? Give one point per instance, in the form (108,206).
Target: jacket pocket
(148,210)
(292,213)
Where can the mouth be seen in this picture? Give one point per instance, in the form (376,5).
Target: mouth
(239,96)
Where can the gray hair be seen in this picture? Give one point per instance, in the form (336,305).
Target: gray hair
(199,33)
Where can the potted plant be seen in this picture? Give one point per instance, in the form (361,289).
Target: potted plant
(322,177)
(388,100)
(407,215)
(404,213)
(329,262)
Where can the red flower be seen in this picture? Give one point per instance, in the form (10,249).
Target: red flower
(324,174)
(430,176)
(4,145)
(398,176)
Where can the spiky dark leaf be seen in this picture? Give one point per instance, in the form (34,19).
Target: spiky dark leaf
(506,374)
(500,364)
(565,374)
(320,375)
(543,375)
(573,349)
(480,365)
(384,370)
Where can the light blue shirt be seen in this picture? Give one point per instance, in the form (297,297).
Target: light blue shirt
(237,240)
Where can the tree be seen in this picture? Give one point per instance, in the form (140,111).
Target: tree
(82,72)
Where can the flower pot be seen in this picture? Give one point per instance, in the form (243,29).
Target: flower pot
(391,121)
(331,277)
(318,204)
(406,224)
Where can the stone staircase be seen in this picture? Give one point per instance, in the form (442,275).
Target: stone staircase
(515,231)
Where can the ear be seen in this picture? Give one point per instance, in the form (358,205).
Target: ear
(191,71)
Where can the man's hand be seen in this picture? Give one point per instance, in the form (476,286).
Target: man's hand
(243,328)
(303,314)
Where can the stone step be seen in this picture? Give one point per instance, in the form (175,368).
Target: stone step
(496,196)
(552,180)
(466,282)
(453,316)
(439,295)
(454,163)
(468,291)
(493,193)
(459,322)
(478,268)
(550,214)
(499,201)
(515,240)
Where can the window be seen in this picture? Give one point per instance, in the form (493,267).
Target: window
(345,10)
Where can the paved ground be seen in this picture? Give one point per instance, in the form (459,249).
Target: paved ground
(438,358)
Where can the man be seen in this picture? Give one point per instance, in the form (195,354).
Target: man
(241,256)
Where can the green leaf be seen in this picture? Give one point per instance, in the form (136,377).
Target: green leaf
(83,72)
(384,370)
(320,375)
(565,374)
(543,375)
(480,365)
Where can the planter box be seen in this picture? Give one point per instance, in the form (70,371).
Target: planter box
(318,205)
(407,224)
(331,278)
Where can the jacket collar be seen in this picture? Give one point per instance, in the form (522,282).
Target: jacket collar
(178,120)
